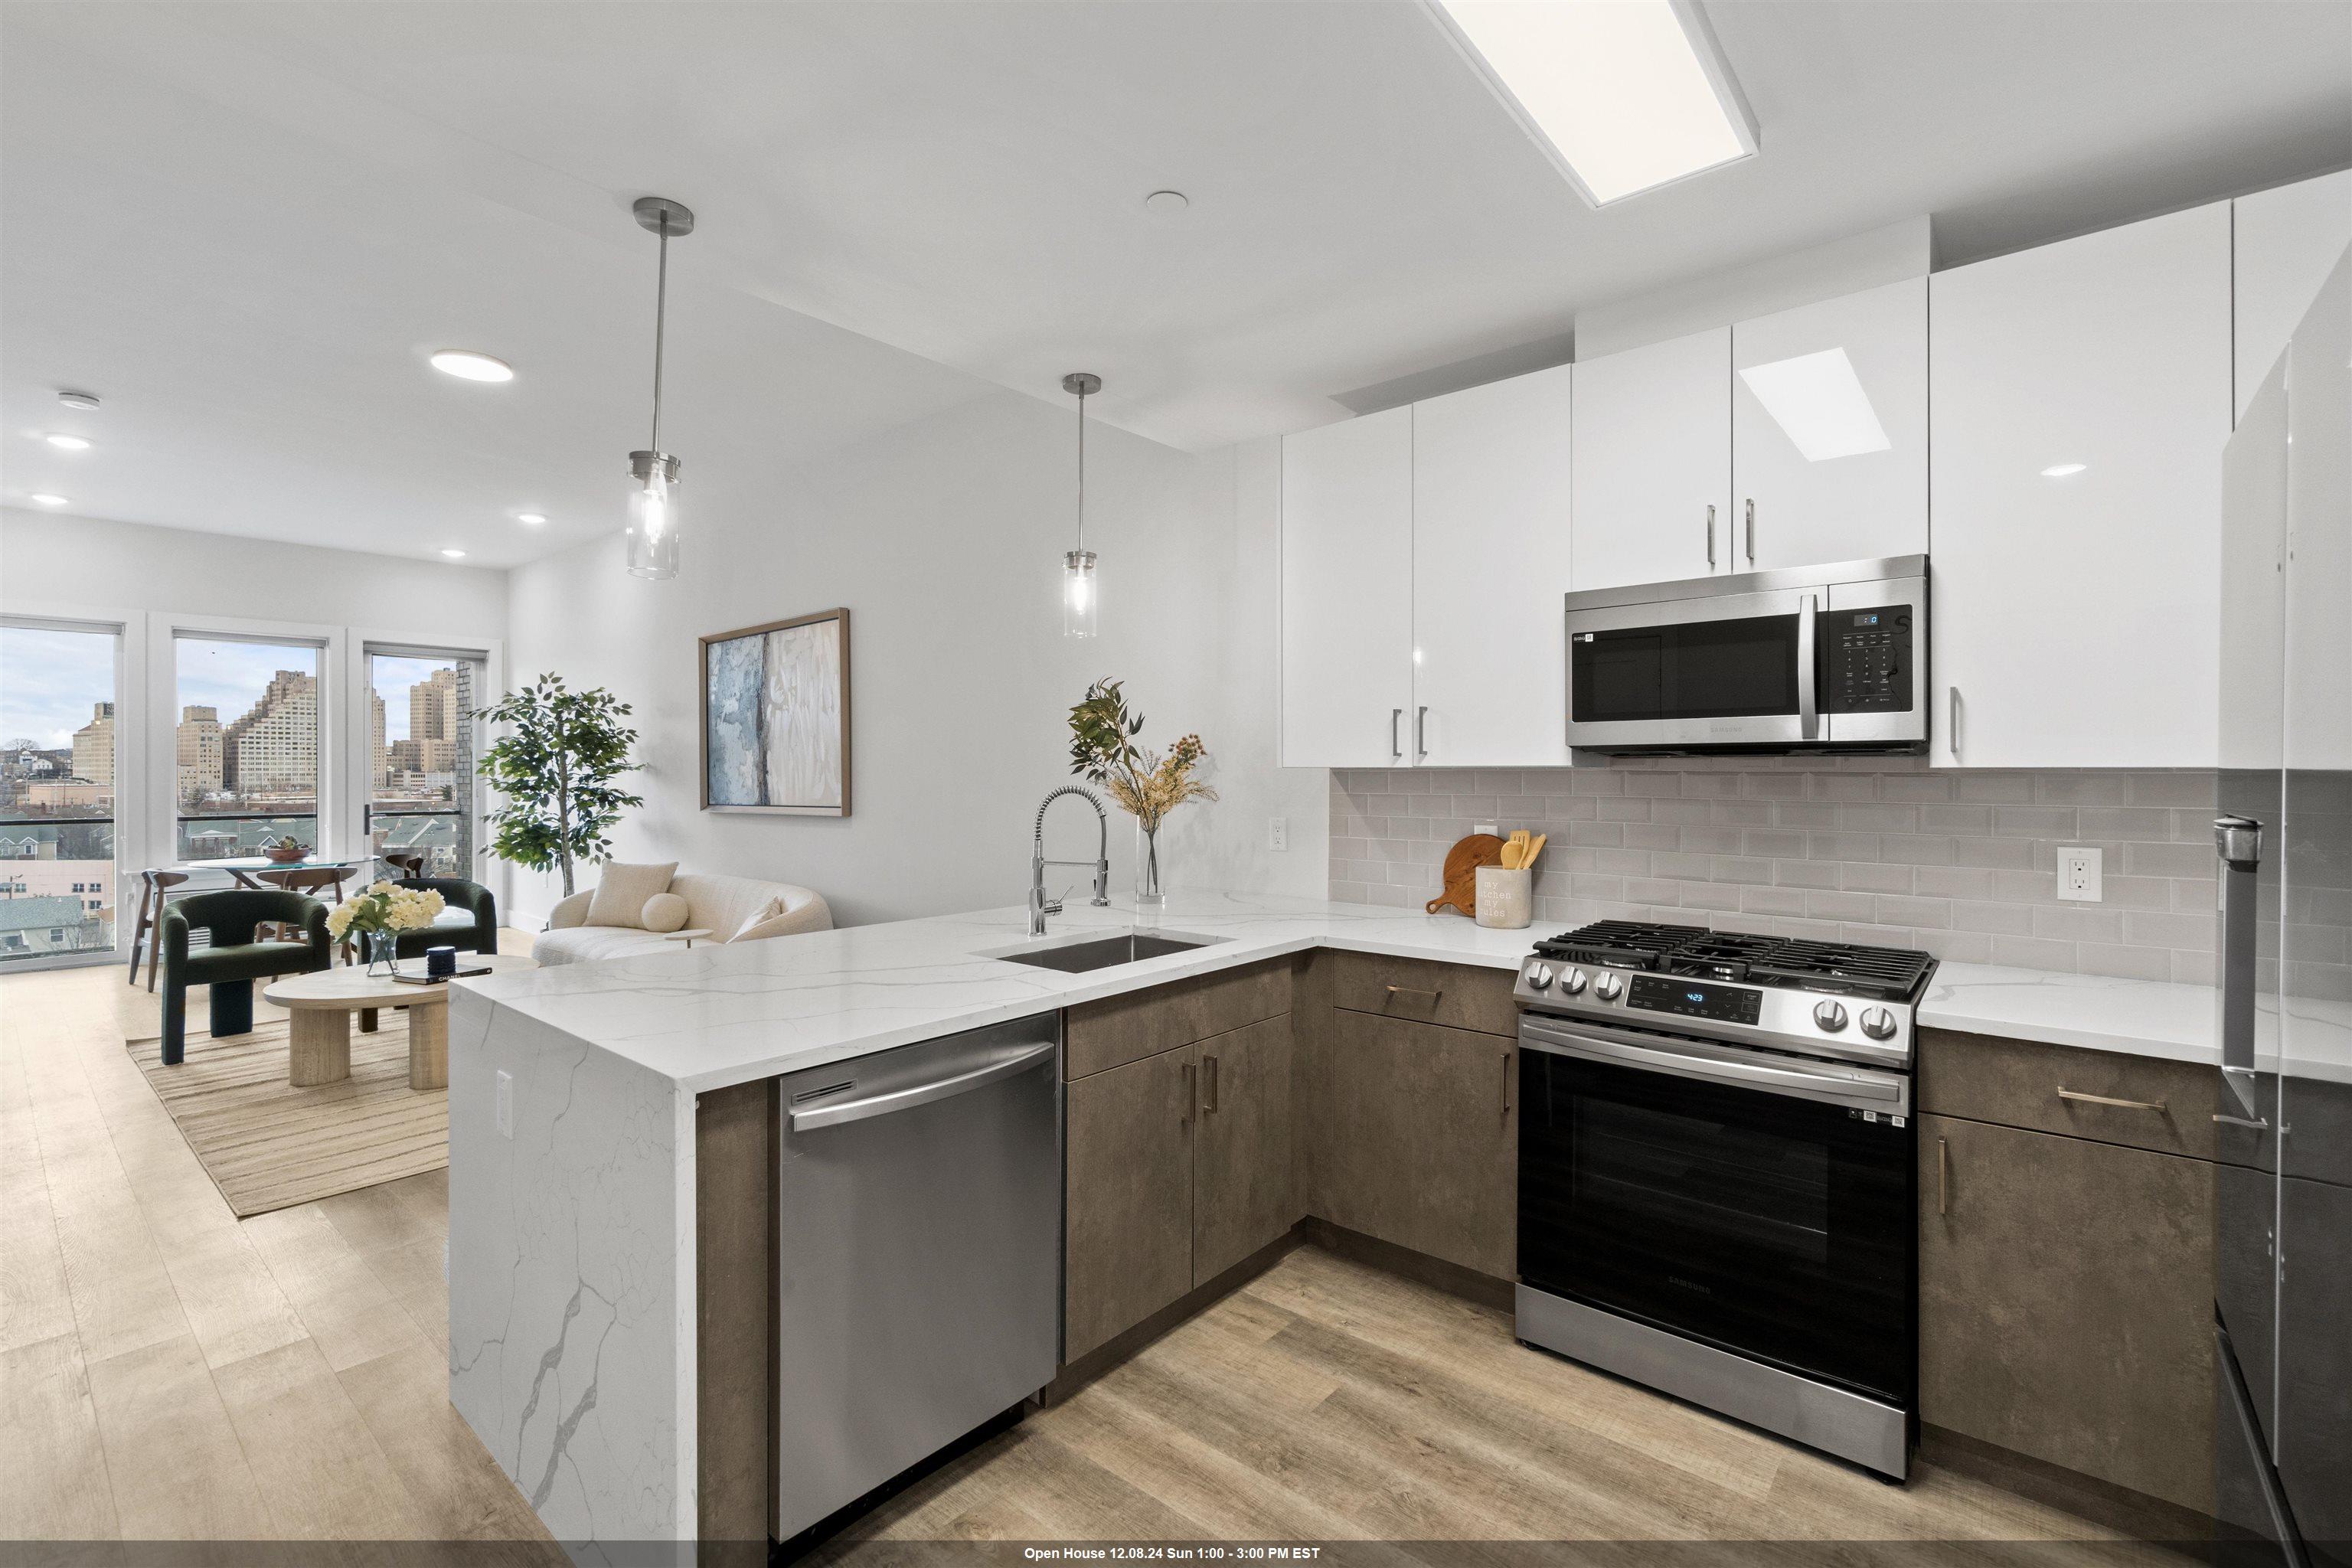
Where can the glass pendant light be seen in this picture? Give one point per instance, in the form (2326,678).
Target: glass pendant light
(1080,593)
(653,496)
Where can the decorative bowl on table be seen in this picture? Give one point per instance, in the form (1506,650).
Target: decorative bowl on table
(286,852)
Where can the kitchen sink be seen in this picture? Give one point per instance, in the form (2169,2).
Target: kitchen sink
(1102,951)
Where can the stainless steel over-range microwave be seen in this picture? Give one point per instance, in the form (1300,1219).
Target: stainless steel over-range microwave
(1808,658)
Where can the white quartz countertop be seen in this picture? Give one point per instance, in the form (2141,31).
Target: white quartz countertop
(715,1015)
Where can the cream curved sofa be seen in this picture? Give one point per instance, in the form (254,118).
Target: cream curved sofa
(732,908)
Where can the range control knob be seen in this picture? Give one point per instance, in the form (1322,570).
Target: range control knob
(1608,987)
(1571,983)
(1539,977)
(1829,1015)
(1877,1023)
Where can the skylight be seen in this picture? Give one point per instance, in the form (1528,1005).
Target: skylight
(1820,402)
(1625,95)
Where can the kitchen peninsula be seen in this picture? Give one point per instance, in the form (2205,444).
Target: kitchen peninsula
(582,1096)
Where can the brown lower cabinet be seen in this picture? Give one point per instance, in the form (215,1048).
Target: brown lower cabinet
(2066,1302)
(1178,1167)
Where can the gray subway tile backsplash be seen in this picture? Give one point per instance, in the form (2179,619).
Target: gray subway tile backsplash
(1962,863)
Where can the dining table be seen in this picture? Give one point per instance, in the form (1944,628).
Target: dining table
(244,868)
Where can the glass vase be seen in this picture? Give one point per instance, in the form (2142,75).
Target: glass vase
(383,949)
(1150,893)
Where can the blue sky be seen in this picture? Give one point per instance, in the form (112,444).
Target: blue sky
(49,678)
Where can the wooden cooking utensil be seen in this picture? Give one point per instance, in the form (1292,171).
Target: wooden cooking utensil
(1527,860)
(1460,879)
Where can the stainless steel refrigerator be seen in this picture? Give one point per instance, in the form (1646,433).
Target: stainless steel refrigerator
(2282,1319)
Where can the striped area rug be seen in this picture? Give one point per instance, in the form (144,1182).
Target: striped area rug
(268,1145)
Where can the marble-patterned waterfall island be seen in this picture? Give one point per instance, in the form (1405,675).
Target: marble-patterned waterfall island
(575,1336)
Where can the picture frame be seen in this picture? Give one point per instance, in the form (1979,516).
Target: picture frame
(774,733)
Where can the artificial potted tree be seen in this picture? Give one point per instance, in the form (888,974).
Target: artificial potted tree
(556,767)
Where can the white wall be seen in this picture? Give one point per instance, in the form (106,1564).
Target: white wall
(944,539)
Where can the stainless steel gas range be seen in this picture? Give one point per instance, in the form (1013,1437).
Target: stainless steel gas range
(1716,1174)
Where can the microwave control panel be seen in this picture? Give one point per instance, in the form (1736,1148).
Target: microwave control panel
(1865,658)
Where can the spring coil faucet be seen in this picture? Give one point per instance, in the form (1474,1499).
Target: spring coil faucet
(1039,905)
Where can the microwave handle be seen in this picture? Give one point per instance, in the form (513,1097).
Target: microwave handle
(1808,707)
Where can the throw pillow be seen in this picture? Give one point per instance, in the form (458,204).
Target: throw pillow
(775,921)
(666,912)
(622,891)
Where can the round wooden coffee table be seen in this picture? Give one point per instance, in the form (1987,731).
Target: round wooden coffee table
(320,1032)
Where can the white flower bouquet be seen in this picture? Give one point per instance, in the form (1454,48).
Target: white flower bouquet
(382,912)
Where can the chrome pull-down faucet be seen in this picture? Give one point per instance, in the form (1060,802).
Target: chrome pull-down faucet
(1039,905)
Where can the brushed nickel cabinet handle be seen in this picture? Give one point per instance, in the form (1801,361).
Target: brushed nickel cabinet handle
(1507,1085)
(1943,1176)
(1952,721)
(1416,991)
(1751,531)
(2156,1105)
(1209,1085)
(1188,1093)
(1710,537)
(1396,746)
(2258,1123)
(1420,733)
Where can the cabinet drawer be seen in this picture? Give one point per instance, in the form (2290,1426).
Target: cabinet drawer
(2017,1082)
(1459,995)
(1121,1029)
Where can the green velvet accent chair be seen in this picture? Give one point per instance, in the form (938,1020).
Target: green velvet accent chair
(235,958)
(470,923)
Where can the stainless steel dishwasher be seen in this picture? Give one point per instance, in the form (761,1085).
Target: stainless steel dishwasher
(919,1256)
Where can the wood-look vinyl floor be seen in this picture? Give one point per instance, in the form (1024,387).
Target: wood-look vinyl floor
(168,1371)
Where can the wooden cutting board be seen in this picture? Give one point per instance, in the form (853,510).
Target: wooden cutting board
(1460,879)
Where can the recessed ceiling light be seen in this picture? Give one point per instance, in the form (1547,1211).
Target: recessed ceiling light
(1624,97)
(532,518)
(1166,204)
(455,554)
(45,499)
(68,443)
(1818,401)
(468,365)
(2063,470)
(83,400)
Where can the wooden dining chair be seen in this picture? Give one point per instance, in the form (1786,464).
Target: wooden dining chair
(404,863)
(325,883)
(154,886)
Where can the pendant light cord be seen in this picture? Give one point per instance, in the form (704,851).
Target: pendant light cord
(1082,472)
(661,309)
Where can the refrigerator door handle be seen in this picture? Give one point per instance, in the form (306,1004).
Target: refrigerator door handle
(2238,841)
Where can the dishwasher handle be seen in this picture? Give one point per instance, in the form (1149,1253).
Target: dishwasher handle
(873,1105)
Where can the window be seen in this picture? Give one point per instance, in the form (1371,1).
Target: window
(424,743)
(57,684)
(246,745)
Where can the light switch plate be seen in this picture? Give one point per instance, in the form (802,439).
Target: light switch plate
(1486,827)
(2079,877)
(505,1103)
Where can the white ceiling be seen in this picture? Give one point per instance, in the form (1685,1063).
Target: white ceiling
(246,223)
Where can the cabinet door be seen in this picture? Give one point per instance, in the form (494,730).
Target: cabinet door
(2066,1302)
(1828,430)
(2284,243)
(1347,593)
(1653,483)
(1416,1133)
(1491,484)
(2080,400)
(1243,1196)
(1127,1167)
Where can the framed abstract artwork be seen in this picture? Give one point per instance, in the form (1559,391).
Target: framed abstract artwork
(775,717)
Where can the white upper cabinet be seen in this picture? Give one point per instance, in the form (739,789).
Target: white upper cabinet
(1490,561)
(1653,482)
(1347,593)
(2288,241)
(2318,501)
(2079,399)
(1828,430)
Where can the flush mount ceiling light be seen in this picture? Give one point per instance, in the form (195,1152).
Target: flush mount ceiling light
(2063,470)
(653,500)
(532,518)
(42,498)
(85,400)
(68,443)
(1166,204)
(455,554)
(1624,96)
(1818,400)
(1080,595)
(468,365)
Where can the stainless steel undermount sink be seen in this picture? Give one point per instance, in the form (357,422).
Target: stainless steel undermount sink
(1102,951)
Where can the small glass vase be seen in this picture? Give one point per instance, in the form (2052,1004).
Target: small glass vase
(1150,892)
(383,949)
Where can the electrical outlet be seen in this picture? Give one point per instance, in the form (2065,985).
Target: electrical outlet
(506,1104)
(1278,833)
(2079,878)
(1486,827)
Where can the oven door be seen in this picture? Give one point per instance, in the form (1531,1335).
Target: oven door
(1759,1204)
(1728,670)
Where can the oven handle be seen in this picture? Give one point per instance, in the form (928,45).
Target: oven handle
(1808,705)
(1653,1058)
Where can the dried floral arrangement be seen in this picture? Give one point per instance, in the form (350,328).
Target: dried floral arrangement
(1146,785)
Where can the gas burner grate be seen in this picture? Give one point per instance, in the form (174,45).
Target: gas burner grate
(1632,944)
(1884,973)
